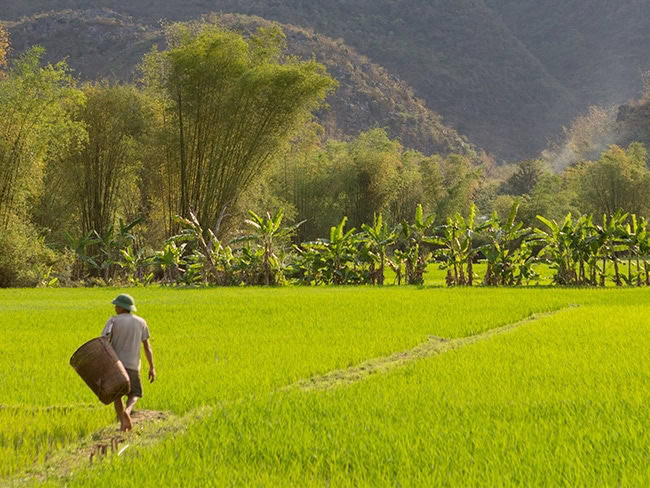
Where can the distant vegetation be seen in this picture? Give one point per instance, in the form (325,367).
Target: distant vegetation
(212,170)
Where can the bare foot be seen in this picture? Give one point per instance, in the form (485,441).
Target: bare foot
(127,425)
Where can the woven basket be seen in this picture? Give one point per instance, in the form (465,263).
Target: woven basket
(101,369)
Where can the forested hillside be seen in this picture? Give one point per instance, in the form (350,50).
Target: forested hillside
(507,73)
(597,49)
(100,43)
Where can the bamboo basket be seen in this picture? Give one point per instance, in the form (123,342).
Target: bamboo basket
(101,369)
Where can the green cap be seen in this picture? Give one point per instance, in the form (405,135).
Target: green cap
(126,302)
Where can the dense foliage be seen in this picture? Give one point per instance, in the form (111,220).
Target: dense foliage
(213,172)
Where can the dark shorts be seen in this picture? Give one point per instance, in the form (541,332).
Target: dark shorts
(136,384)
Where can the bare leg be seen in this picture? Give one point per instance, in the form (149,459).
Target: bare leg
(130,403)
(119,409)
(123,416)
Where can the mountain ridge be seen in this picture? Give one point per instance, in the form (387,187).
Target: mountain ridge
(508,73)
(108,44)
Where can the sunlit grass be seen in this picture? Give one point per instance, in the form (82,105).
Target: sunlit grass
(232,348)
(562,401)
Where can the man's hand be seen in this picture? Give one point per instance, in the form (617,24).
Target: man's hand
(149,353)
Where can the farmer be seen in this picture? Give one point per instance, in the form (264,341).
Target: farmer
(126,332)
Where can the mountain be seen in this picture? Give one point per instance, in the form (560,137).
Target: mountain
(597,49)
(104,44)
(508,73)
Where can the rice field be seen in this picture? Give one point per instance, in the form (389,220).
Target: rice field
(558,400)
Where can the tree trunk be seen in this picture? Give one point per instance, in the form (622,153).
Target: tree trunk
(629,269)
(267,267)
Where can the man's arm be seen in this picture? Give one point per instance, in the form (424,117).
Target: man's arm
(149,354)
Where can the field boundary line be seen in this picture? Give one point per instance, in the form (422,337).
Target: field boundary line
(432,347)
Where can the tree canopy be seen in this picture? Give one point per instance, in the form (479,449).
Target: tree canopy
(230,105)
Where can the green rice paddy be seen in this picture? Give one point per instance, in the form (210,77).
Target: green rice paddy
(559,400)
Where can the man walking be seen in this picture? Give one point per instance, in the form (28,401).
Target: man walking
(126,332)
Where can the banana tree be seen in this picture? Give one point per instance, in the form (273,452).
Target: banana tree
(636,233)
(559,248)
(135,262)
(644,252)
(377,238)
(170,260)
(586,243)
(111,244)
(268,233)
(412,240)
(509,257)
(396,263)
(457,248)
(85,258)
(335,256)
(612,243)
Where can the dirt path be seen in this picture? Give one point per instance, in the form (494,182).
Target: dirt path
(434,346)
(151,427)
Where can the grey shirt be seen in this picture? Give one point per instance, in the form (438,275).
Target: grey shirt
(126,332)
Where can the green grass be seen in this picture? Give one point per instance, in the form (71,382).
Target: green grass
(496,410)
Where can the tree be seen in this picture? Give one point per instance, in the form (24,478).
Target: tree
(373,184)
(619,180)
(508,255)
(99,171)
(35,103)
(412,240)
(230,105)
(587,136)
(460,180)
(378,237)
(268,232)
(330,260)
(457,248)
(525,178)
(552,197)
